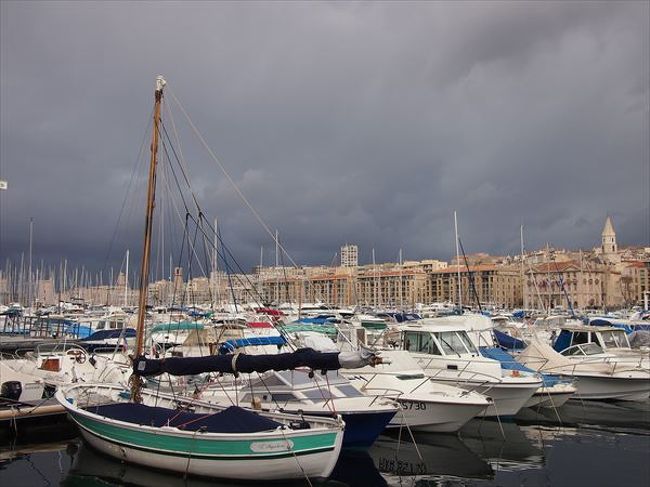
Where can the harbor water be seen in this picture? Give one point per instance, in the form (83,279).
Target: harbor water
(581,444)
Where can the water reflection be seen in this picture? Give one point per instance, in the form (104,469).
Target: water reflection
(432,454)
(540,447)
(616,415)
(503,445)
(354,468)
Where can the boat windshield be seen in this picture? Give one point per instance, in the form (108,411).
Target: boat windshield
(591,349)
(583,349)
(613,339)
(455,342)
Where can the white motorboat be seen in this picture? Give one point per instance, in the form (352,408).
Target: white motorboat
(595,378)
(299,391)
(613,343)
(426,405)
(445,352)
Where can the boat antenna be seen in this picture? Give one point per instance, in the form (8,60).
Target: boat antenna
(146,250)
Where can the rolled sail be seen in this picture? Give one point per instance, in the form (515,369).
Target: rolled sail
(240,362)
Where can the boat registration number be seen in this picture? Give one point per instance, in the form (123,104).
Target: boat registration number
(417,405)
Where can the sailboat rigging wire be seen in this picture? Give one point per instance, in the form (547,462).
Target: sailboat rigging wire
(471,277)
(180,257)
(138,162)
(180,165)
(229,178)
(198,208)
(207,266)
(200,213)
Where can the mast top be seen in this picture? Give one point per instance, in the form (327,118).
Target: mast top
(160,83)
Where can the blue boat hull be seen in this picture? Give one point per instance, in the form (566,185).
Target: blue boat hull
(362,429)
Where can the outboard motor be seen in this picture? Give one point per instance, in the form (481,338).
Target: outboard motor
(12,389)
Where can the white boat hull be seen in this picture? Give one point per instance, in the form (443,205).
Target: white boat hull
(274,454)
(613,388)
(551,397)
(434,417)
(508,398)
(316,465)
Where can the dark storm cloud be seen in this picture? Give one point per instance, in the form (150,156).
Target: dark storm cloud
(341,122)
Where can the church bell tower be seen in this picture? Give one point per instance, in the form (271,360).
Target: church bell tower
(608,246)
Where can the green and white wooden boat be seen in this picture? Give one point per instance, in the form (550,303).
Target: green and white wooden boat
(192,437)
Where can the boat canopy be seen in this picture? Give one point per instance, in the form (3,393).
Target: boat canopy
(178,326)
(108,334)
(328,330)
(508,342)
(231,345)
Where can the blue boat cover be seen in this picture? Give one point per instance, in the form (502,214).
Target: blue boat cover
(508,362)
(107,334)
(317,320)
(629,328)
(506,341)
(230,346)
(231,420)
(563,341)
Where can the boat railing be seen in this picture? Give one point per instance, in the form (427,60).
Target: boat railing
(490,381)
(386,390)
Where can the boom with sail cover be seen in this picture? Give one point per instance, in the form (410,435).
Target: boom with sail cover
(240,362)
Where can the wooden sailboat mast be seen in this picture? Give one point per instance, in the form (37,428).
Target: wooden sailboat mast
(151,196)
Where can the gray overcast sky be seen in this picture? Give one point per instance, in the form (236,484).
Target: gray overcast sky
(341,122)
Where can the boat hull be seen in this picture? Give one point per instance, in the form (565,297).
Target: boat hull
(507,397)
(612,388)
(434,417)
(281,453)
(361,428)
(551,397)
(315,461)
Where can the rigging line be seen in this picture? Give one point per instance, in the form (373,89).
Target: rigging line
(156,253)
(198,207)
(138,162)
(180,257)
(203,232)
(189,214)
(228,274)
(172,204)
(207,264)
(192,296)
(224,256)
(228,177)
(181,166)
(178,185)
(181,159)
(269,391)
(187,210)
(471,277)
(286,280)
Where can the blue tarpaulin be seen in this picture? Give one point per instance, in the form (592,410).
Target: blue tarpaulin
(506,341)
(230,346)
(508,362)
